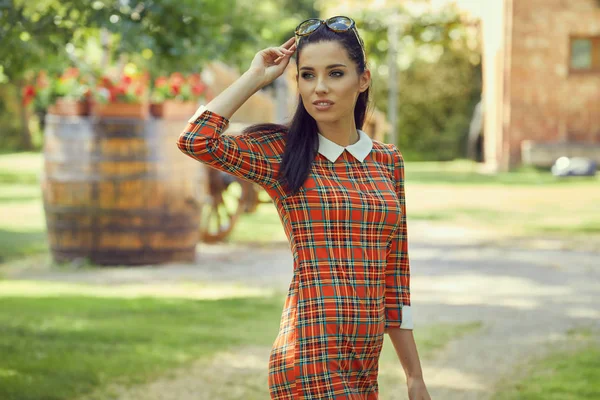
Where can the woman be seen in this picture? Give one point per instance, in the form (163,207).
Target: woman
(340,197)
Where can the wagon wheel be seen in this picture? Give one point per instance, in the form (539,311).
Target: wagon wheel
(263,197)
(250,194)
(223,207)
(253,196)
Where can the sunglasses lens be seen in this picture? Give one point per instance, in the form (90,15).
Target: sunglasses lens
(308,26)
(339,23)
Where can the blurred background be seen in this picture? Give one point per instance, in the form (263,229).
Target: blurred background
(130,271)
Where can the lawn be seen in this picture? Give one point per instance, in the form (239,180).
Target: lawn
(524,203)
(22,225)
(57,346)
(569,373)
(61,340)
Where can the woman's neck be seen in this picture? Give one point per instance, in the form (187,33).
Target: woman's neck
(343,134)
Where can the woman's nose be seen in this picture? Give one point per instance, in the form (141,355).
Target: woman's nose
(321,86)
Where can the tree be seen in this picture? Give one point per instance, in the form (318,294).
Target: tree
(439,79)
(160,35)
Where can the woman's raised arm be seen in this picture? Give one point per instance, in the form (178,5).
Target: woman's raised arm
(249,156)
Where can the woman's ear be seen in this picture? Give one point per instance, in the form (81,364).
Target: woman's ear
(365,80)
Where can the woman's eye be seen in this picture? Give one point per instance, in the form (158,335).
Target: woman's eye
(333,73)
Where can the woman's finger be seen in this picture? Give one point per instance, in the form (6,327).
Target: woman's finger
(289,42)
(274,52)
(277,50)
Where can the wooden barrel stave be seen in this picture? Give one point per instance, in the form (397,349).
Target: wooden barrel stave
(116,193)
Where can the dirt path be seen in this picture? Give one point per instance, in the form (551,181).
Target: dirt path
(525,299)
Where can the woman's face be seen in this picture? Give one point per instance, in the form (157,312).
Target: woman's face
(326,73)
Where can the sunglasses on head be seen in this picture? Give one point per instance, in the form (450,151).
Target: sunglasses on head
(336,24)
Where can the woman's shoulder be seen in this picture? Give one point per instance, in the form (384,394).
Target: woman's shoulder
(386,152)
(266,131)
(270,137)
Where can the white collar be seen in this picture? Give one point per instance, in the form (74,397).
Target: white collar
(360,150)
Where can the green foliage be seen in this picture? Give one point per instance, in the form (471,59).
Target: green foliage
(161,36)
(10,124)
(439,78)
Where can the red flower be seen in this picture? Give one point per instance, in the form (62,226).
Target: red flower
(195,78)
(161,81)
(198,88)
(175,89)
(177,78)
(106,82)
(28,94)
(71,73)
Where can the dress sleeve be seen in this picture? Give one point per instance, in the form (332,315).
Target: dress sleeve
(244,155)
(397,276)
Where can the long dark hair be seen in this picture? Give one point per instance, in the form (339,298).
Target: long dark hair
(302,141)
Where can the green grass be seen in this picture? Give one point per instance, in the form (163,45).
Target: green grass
(467,172)
(432,339)
(58,347)
(262,227)
(455,184)
(18,193)
(22,224)
(592,227)
(452,214)
(21,168)
(564,374)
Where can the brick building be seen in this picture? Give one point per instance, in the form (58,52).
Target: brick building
(541,61)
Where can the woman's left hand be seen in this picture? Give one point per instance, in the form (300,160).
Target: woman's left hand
(417,389)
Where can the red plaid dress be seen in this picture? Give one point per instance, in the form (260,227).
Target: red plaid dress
(347,232)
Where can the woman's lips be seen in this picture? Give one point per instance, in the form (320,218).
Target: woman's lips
(324,106)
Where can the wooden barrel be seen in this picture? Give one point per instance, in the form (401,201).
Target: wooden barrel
(118,191)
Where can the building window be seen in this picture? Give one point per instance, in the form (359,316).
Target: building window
(585,54)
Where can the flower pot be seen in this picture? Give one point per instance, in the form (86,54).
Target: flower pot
(173,109)
(122,110)
(67,107)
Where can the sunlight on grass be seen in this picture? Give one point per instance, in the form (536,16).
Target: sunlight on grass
(527,202)
(21,167)
(28,288)
(571,373)
(592,227)
(470,172)
(432,339)
(262,226)
(59,347)
(18,193)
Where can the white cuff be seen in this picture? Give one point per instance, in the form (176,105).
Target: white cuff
(407,319)
(198,113)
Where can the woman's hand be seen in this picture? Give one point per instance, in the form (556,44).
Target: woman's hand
(417,389)
(270,63)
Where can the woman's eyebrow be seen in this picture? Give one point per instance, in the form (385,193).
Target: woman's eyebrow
(328,67)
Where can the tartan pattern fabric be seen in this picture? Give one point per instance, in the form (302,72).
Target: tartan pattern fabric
(347,233)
